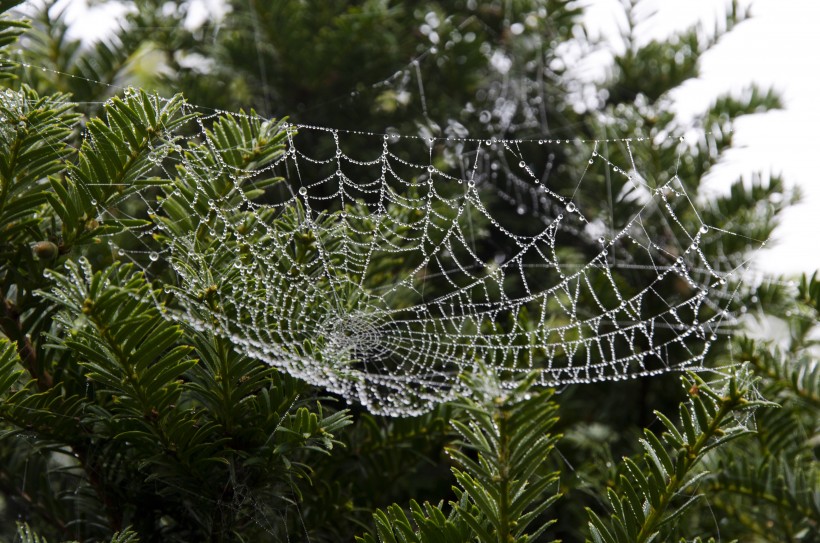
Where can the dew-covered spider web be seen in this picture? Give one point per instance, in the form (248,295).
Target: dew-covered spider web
(383,267)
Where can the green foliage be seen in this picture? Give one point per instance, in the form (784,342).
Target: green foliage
(34,143)
(91,74)
(125,417)
(654,68)
(148,414)
(652,495)
(233,144)
(10,30)
(126,347)
(114,162)
(26,535)
(114,415)
(9,361)
(502,487)
(768,485)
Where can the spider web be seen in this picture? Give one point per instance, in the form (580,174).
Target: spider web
(383,278)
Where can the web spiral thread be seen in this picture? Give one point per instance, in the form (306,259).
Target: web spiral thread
(384,277)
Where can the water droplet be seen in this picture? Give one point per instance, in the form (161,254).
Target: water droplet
(601,240)
(303,191)
(704,229)
(430,169)
(521,210)
(153,256)
(591,161)
(571,207)
(521,164)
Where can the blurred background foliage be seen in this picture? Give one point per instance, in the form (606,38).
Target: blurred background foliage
(113,417)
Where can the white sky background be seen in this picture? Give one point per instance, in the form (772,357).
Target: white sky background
(779,46)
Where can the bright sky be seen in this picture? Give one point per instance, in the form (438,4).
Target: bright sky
(778,46)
